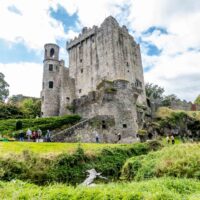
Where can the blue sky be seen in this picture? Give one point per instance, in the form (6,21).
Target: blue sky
(167,31)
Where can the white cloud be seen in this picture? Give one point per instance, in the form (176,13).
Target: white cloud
(34,26)
(176,68)
(23,78)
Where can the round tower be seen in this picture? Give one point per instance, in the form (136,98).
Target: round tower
(51,81)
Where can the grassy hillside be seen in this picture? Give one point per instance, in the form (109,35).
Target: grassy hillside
(156,189)
(65,167)
(164,112)
(181,160)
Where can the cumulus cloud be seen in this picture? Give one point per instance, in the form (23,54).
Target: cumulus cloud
(31,24)
(23,78)
(177,66)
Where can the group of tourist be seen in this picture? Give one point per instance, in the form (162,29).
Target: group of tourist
(170,139)
(35,135)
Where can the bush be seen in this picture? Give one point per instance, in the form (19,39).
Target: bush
(176,161)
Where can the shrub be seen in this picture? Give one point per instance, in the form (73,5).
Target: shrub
(176,161)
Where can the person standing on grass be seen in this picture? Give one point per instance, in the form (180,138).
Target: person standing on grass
(48,136)
(21,135)
(173,139)
(168,139)
(39,134)
(28,134)
(96,136)
(119,136)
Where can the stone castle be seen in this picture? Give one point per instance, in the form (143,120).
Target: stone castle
(104,82)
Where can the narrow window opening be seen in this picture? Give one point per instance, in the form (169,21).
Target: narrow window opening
(104,125)
(50,67)
(81,70)
(80,90)
(81,60)
(52,52)
(43,85)
(124,125)
(50,84)
(42,98)
(127,64)
(68,99)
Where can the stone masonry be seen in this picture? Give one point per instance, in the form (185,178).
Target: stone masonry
(104,78)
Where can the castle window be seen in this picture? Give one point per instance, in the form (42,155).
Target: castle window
(104,125)
(43,85)
(52,52)
(50,67)
(128,71)
(68,99)
(124,125)
(81,60)
(42,98)
(81,70)
(127,64)
(80,90)
(50,84)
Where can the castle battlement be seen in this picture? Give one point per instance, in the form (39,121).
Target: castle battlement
(86,33)
(89,32)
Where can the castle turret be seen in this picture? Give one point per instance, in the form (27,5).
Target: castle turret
(51,81)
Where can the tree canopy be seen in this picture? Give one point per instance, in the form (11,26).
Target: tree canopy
(4,91)
(197,100)
(154,91)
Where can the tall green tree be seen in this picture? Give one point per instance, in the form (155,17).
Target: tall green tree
(4,91)
(154,91)
(197,100)
(31,107)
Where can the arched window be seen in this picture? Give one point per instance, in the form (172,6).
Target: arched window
(52,52)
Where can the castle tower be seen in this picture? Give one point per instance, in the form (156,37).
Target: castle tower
(51,81)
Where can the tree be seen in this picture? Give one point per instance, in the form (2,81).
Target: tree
(197,100)
(167,100)
(31,107)
(4,91)
(154,92)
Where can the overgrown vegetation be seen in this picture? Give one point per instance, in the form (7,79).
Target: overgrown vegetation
(70,168)
(156,189)
(176,161)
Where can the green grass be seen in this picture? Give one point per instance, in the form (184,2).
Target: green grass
(61,162)
(44,148)
(156,189)
(164,112)
(181,160)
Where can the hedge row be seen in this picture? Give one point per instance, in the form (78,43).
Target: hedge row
(8,126)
